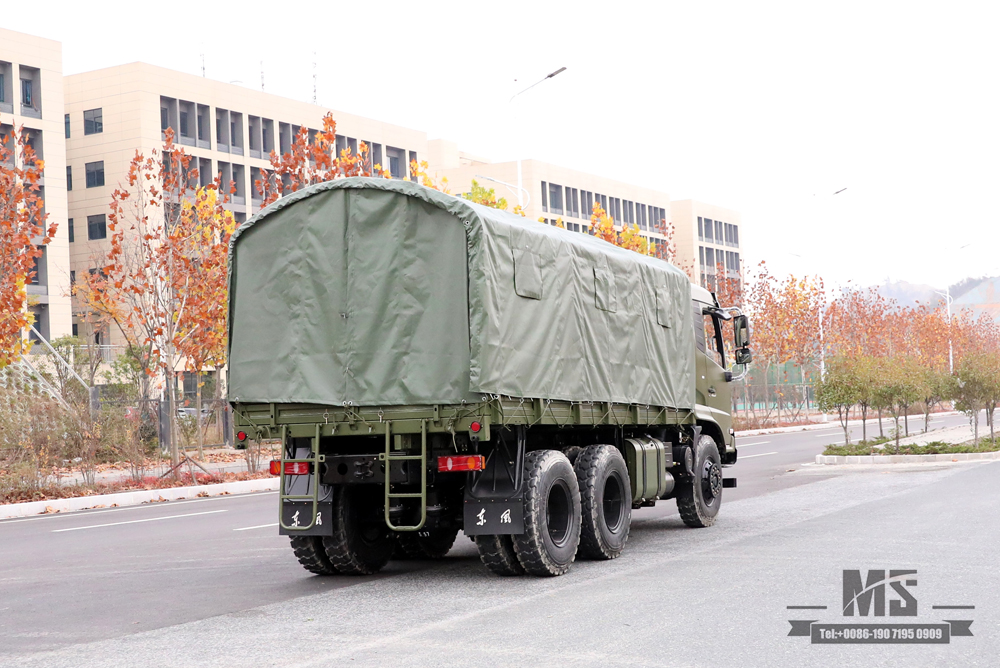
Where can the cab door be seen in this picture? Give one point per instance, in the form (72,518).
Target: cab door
(713,390)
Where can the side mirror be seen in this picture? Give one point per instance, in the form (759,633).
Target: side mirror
(743,356)
(741,332)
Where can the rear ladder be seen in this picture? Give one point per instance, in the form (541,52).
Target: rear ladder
(388,458)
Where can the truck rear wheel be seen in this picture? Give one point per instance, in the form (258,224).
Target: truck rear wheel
(426,544)
(361,543)
(699,499)
(311,554)
(498,553)
(606,501)
(551,514)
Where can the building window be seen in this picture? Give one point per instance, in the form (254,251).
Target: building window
(72,237)
(72,277)
(718,232)
(3,88)
(93,122)
(397,160)
(736,237)
(555,199)
(76,329)
(69,178)
(184,124)
(95,174)
(708,229)
(164,119)
(97,227)
(545,197)
(27,97)
(701,229)
(67,123)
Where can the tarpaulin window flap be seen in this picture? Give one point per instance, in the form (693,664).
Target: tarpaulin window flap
(384,292)
(605,290)
(527,274)
(663,311)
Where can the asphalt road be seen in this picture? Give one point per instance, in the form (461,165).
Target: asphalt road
(208,583)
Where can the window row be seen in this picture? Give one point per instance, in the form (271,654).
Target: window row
(29,85)
(718,232)
(192,125)
(563,200)
(712,257)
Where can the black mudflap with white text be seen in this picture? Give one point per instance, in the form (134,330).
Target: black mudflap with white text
(299,514)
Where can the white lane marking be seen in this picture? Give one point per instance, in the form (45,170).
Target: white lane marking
(148,519)
(747,445)
(259,526)
(762,454)
(88,512)
(823,436)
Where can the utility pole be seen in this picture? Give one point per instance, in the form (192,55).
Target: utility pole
(520,188)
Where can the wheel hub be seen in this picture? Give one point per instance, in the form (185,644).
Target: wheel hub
(712,480)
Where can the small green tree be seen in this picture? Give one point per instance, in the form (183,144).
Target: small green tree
(839,392)
(973,380)
(938,387)
(899,391)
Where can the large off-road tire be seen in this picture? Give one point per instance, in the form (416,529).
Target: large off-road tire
(606,501)
(426,544)
(699,500)
(497,552)
(310,553)
(361,543)
(551,514)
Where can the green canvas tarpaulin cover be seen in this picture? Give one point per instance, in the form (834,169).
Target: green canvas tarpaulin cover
(382,292)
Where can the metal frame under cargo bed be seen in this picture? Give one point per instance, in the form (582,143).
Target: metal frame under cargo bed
(300,420)
(286,421)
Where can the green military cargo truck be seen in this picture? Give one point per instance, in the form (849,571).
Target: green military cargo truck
(434,366)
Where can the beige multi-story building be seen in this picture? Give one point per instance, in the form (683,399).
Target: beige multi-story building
(551,192)
(228,130)
(31,96)
(707,236)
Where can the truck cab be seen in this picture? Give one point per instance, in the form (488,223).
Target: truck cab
(714,366)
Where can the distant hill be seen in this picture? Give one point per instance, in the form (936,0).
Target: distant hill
(910,294)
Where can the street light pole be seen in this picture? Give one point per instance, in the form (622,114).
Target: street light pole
(947,302)
(520,189)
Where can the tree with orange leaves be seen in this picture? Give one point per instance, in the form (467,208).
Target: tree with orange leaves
(785,315)
(314,161)
(602,226)
(21,223)
(202,245)
(142,285)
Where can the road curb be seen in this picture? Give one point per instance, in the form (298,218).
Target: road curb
(869,460)
(824,425)
(135,498)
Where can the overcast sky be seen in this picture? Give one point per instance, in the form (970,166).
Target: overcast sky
(766,108)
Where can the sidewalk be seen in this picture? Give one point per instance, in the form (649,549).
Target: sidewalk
(832,422)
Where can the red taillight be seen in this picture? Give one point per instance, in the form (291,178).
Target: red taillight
(475,427)
(461,463)
(291,468)
(241,436)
